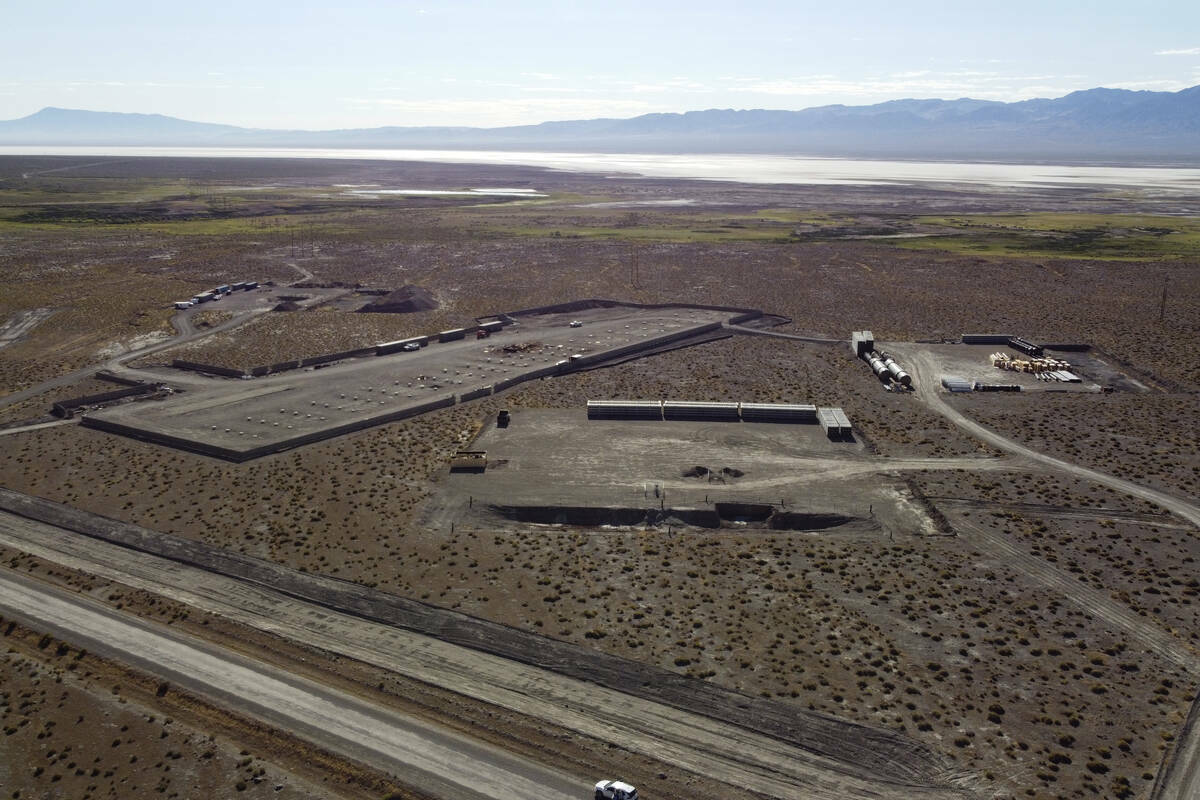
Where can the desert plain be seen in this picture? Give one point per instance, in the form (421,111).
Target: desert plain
(997,590)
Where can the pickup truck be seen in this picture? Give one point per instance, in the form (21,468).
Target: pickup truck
(615,790)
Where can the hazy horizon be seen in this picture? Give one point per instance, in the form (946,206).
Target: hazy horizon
(311,66)
(690,111)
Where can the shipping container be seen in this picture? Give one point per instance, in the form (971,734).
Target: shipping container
(625,409)
(986,338)
(778,412)
(680,409)
(1025,346)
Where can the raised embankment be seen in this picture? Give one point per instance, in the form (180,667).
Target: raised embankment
(870,753)
(197,442)
(230,454)
(65,408)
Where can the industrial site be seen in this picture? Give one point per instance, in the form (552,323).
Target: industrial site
(305,493)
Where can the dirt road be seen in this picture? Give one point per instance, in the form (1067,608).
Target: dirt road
(37,426)
(926,379)
(116,365)
(435,759)
(780,335)
(1180,776)
(719,751)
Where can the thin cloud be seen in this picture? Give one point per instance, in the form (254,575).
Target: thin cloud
(1188,51)
(512,111)
(561,90)
(1161,85)
(73,85)
(918,83)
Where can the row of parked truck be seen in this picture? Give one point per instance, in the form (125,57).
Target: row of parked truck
(216,293)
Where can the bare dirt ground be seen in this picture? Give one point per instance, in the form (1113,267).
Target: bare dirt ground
(38,406)
(80,726)
(959,640)
(1143,438)
(501,726)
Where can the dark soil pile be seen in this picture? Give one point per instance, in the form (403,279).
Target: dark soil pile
(404,300)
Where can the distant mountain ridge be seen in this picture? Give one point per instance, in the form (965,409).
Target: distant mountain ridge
(1103,124)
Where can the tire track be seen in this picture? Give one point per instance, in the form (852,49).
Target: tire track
(1095,602)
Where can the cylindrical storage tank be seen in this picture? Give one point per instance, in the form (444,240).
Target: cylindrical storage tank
(878,366)
(897,373)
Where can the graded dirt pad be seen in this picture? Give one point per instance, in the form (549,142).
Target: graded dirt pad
(280,337)
(559,467)
(243,420)
(971,362)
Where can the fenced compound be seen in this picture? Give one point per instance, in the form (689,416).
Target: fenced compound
(238,421)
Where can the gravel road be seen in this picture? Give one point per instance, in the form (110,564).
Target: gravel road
(927,379)
(1179,778)
(708,747)
(437,760)
(186,332)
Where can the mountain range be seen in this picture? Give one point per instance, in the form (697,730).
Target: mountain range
(1113,125)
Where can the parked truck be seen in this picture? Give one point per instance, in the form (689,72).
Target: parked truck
(615,790)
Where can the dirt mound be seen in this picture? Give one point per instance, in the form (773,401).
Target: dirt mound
(404,300)
(713,475)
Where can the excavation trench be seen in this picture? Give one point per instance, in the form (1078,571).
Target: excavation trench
(722,515)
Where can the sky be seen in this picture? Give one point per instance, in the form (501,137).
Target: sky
(354,63)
